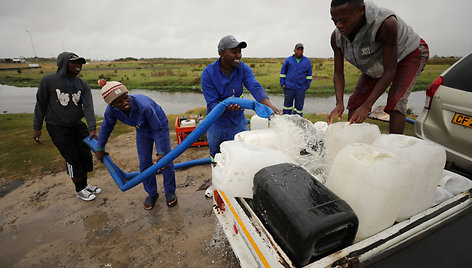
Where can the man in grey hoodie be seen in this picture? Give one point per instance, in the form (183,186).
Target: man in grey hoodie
(63,99)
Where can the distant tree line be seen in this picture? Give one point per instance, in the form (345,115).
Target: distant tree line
(440,60)
(434,60)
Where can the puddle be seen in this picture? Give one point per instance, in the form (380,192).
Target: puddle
(38,232)
(9,186)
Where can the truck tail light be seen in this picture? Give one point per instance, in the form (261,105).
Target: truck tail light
(218,200)
(431,90)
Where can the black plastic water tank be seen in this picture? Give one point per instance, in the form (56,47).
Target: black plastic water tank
(305,218)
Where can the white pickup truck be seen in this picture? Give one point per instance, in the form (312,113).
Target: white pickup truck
(436,237)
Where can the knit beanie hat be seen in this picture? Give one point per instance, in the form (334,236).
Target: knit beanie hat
(111,90)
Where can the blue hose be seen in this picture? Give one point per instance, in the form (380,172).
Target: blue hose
(411,121)
(126,181)
(119,176)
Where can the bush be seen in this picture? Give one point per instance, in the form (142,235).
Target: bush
(435,60)
(106,77)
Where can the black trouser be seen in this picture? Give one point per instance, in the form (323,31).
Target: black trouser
(68,141)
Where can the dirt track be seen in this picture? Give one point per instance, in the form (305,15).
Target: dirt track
(43,224)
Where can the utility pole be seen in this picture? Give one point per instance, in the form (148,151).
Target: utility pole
(32,43)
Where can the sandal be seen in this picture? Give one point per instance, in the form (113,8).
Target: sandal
(171,199)
(150,201)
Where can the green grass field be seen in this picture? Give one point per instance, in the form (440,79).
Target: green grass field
(22,158)
(184,74)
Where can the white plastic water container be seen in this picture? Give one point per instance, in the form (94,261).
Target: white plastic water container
(454,183)
(299,140)
(321,126)
(340,134)
(440,196)
(258,122)
(374,182)
(267,137)
(237,164)
(427,159)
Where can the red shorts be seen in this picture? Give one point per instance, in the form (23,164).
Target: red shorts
(405,78)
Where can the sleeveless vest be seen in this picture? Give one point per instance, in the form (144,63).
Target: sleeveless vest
(364,52)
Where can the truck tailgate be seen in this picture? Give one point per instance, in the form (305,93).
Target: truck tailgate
(250,239)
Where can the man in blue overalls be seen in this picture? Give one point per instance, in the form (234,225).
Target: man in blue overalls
(151,125)
(295,79)
(225,78)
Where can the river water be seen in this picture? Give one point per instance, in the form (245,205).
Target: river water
(23,99)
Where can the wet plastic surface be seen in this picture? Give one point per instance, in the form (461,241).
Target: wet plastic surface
(306,219)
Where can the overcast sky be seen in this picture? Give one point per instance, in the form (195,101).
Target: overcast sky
(110,29)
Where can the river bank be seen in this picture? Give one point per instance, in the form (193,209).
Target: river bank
(174,75)
(23,100)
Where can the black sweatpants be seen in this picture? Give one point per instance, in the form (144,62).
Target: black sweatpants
(68,141)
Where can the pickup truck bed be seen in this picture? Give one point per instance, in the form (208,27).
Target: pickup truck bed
(435,237)
(448,245)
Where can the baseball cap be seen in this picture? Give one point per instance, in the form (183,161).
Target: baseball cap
(299,45)
(229,42)
(75,57)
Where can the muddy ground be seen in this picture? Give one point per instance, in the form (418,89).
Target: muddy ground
(43,224)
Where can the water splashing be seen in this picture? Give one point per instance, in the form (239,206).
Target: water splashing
(302,141)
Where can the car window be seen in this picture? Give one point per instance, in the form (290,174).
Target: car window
(459,76)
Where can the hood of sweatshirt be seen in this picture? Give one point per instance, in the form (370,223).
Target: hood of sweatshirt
(63,62)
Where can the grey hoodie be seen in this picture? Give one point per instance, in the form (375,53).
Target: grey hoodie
(63,101)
